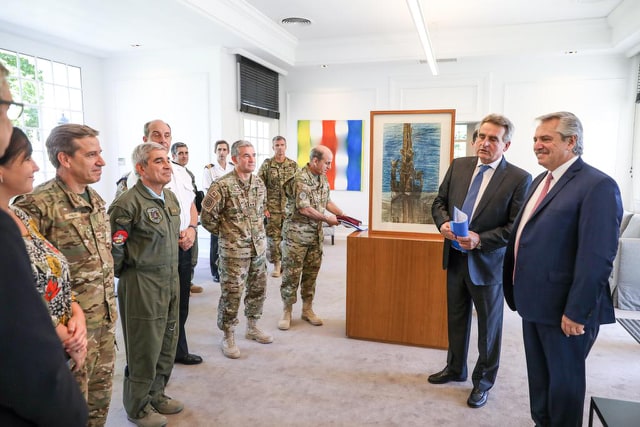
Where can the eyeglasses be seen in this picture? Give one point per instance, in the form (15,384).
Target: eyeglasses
(15,109)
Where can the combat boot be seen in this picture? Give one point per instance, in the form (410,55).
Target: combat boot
(277,269)
(285,322)
(309,315)
(229,347)
(166,405)
(149,418)
(254,333)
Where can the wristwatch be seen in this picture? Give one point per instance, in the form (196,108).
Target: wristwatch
(195,227)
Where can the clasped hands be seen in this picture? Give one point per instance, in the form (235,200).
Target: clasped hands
(468,242)
(187,238)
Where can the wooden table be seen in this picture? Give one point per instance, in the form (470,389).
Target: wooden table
(396,290)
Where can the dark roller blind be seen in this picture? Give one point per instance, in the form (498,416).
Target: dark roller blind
(259,89)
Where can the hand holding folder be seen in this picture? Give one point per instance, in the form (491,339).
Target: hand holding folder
(348,221)
(459,226)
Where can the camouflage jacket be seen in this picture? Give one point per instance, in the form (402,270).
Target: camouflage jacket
(305,190)
(234,211)
(81,231)
(274,175)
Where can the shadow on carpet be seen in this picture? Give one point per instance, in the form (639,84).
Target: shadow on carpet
(632,326)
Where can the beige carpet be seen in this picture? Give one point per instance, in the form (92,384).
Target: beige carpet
(316,376)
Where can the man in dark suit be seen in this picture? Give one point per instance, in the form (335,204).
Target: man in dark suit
(565,240)
(490,191)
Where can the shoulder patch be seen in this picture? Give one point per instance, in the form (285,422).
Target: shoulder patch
(119,237)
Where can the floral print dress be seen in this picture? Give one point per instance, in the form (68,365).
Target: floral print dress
(50,269)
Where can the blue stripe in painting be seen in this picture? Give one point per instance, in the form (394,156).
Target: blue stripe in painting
(354,152)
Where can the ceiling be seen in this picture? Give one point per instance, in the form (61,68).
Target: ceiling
(342,31)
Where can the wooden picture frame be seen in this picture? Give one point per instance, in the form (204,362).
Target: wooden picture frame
(410,154)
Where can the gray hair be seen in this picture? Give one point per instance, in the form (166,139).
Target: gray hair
(140,155)
(279,138)
(62,140)
(500,120)
(238,144)
(569,125)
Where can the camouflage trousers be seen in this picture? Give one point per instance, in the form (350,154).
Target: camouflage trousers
(236,274)
(96,378)
(274,236)
(300,266)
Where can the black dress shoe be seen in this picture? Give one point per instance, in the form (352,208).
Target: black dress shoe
(445,376)
(478,398)
(189,359)
(216,278)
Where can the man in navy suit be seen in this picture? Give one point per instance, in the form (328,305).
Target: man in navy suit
(490,191)
(557,267)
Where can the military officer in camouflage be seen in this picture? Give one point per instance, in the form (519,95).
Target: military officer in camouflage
(71,215)
(307,199)
(274,172)
(145,222)
(233,209)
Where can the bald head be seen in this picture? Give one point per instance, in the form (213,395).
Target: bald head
(320,160)
(158,131)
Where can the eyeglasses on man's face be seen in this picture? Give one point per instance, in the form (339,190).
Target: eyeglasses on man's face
(15,109)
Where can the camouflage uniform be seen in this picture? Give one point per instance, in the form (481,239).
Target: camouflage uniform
(302,244)
(274,175)
(145,251)
(234,210)
(80,230)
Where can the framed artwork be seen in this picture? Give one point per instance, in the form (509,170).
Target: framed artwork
(410,153)
(345,140)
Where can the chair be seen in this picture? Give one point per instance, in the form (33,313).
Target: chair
(329,230)
(625,277)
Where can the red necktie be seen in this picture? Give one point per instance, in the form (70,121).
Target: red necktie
(544,191)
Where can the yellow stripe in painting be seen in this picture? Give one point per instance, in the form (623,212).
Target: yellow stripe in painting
(304,142)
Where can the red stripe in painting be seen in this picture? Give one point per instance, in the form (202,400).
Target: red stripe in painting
(330,140)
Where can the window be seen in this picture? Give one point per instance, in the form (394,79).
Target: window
(462,139)
(258,131)
(52,95)
(259,89)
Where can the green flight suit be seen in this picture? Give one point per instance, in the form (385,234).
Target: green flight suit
(145,252)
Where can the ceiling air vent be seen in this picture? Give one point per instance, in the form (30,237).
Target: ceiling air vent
(296,21)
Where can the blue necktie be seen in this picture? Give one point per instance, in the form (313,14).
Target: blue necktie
(472,194)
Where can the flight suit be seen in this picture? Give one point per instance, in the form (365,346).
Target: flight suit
(145,233)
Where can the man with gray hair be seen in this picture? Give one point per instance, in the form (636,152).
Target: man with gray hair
(307,199)
(490,191)
(233,209)
(557,267)
(145,221)
(71,215)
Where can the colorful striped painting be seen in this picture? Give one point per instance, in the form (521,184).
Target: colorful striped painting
(344,139)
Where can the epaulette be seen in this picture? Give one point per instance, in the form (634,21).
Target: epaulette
(209,166)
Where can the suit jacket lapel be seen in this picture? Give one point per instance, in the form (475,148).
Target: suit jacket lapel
(464,181)
(566,177)
(492,187)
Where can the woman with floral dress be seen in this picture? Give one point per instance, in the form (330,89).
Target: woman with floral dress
(49,266)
